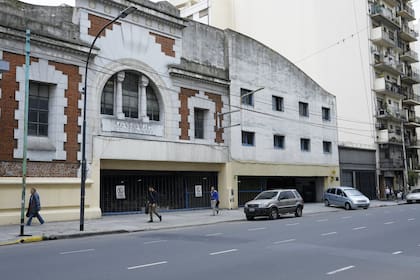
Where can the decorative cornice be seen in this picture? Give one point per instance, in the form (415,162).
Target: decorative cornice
(178,72)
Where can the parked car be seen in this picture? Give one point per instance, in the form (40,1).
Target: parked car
(273,203)
(413,196)
(346,197)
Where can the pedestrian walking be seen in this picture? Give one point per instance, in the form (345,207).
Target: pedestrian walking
(214,201)
(34,207)
(387,192)
(152,197)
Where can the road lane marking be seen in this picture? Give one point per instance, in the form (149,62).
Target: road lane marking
(146,265)
(346,217)
(322,220)
(214,234)
(284,241)
(255,229)
(340,270)
(411,219)
(329,233)
(359,228)
(78,251)
(389,223)
(223,252)
(397,252)
(155,241)
(293,224)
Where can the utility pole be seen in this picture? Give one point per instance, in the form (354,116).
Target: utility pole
(25,130)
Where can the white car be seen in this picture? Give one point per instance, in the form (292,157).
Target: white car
(413,196)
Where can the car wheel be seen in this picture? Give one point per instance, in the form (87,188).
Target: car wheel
(299,212)
(273,213)
(409,201)
(347,206)
(365,208)
(250,218)
(326,202)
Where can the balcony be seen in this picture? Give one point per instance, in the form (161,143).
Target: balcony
(408,34)
(407,12)
(389,114)
(388,64)
(410,56)
(382,38)
(392,3)
(413,120)
(384,15)
(411,99)
(391,164)
(383,86)
(386,136)
(411,75)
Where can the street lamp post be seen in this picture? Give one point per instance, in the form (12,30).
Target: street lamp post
(122,14)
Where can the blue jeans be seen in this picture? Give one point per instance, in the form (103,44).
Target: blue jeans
(36,214)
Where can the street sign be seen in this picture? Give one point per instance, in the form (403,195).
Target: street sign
(198,191)
(120,191)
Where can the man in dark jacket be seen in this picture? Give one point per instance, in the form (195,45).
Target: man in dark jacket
(152,198)
(34,208)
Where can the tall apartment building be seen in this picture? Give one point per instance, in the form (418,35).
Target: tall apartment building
(361,51)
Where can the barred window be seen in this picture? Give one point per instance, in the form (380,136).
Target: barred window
(130,95)
(39,95)
(152,104)
(107,99)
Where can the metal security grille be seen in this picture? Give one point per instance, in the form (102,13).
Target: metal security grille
(176,190)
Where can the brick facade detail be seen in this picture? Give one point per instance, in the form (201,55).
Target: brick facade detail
(38,169)
(217,99)
(166,44)
(96,24)
(8,106)
(184,112)
(72,111)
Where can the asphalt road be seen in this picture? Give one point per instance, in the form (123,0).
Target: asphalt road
(381,243)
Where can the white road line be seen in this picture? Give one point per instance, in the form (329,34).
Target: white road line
(255,229)
(359,228)
(389,223)
(293,224)
(340,270)
(411,219)
(322,220)
(284,241)
(78,251)
(223,252)
(329,233)
(155,241)
(146,265)
(397,253)
(346,217)
(214,234)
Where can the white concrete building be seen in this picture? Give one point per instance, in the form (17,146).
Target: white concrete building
(347,47)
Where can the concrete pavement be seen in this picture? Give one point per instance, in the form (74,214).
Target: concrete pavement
(138,222)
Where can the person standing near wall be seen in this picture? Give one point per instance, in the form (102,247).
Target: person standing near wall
(214,201)
(152,197)
(34,207)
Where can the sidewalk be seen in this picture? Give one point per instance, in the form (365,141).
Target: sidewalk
(138,222)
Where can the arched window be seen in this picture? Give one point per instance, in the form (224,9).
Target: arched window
(130,95)
(107,99)
(152,104)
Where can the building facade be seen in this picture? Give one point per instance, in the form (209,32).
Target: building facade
(365,57)
(171,103)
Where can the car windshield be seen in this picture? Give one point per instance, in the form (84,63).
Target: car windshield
(415,191)
(353,192)
(266,195)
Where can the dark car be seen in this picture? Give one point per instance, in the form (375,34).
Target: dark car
(273,203)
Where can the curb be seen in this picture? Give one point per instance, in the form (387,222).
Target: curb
(28,239)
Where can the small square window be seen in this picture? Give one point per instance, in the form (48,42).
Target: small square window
(304,109)
(278,141)
(277,103)
(247,98)
(326,114)
(305,145)
(248,138)
(327,147)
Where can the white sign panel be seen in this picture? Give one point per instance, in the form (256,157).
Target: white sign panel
(132,127)
(120,191)
(198,191)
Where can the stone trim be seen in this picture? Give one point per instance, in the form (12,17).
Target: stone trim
(71,111)
(217,99)
(184,111)
(38,169)
(166,44)
(96,24)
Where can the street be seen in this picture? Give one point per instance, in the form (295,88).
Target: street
(380,243)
